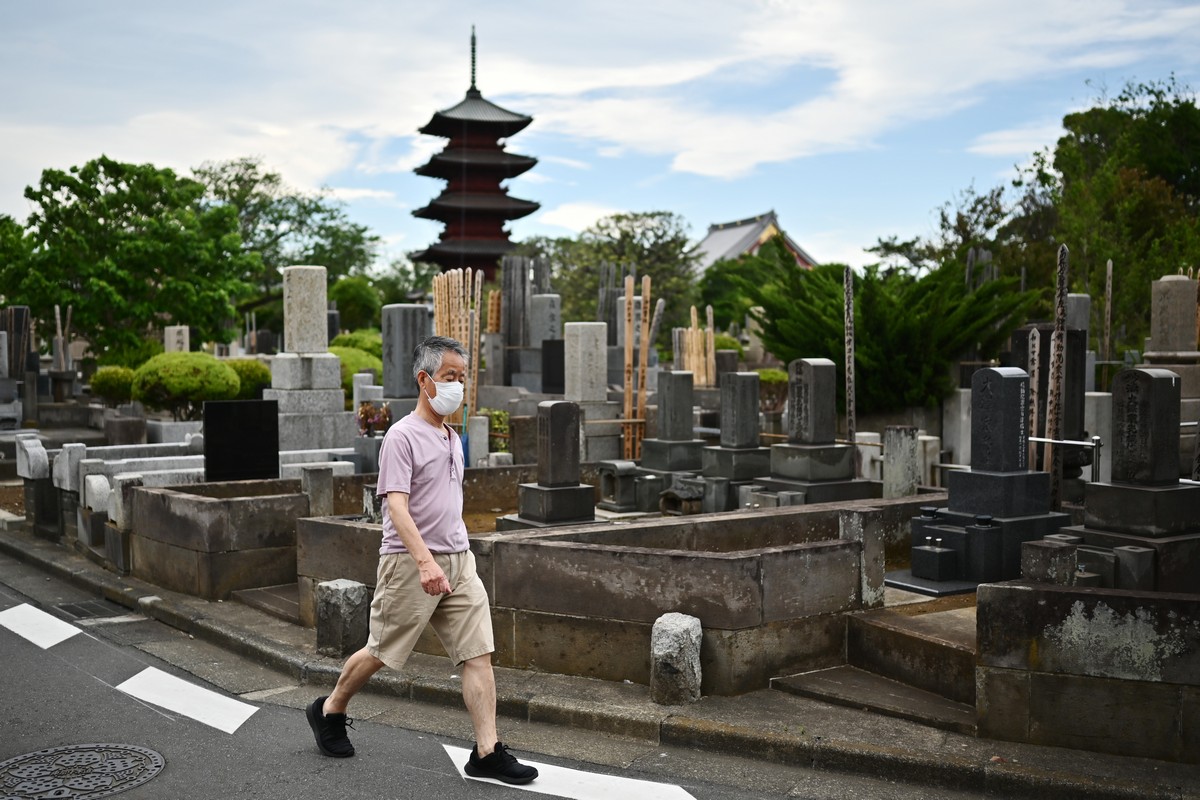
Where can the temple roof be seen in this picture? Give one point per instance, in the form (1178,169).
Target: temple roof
(730,240)
(463,247)
(477,113)
(451,162)
(496,203)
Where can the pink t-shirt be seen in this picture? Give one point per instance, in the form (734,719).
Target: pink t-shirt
(416,460)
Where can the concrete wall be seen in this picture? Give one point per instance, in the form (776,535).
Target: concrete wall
(1092,669)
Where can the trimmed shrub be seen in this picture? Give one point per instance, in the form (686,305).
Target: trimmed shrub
(113,385)
(354,360)
(723,341)
(181,382)
(254,376)
(367,340)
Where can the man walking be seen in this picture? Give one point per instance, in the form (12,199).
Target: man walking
(426,569)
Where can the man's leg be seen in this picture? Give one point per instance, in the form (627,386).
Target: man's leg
(357,670)
(479,694)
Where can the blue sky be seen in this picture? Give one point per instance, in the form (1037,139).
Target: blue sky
(852,119)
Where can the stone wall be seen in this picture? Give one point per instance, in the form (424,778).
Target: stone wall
(1091,669)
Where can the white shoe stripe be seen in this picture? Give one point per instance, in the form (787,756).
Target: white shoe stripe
(36,625)
(576,784)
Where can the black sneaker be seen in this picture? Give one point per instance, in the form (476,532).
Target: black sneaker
(501,765)
(330,730)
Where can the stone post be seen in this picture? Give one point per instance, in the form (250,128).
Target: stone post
(343,614)
(558,443)
(739,409)
(305,325)
(317,483)
(477,440)
(901,461)
(586,362)
(865,525)
(675,659)
(812,401)
(675,401)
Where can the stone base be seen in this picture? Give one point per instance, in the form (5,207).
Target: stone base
(665,455)
(647,491)
(1152,511)
(825,491)
(975,559)
(999,494)
(68,518)
(904,579)
(90,526)
(317,431)
(307,401)
(41,507)
(116,549)
(720,494)
(812,462)
(558,504)
(1176,558)
(735,463)
(313,371)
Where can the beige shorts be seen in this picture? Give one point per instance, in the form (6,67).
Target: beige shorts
(400,611)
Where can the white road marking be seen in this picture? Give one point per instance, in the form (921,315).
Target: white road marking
(175,694)
(576,784)
(36,625)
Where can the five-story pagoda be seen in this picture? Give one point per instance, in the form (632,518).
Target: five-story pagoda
(474,205)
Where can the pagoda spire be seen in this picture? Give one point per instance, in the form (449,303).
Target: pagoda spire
(473,89)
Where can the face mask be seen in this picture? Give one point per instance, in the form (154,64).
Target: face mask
(449,397)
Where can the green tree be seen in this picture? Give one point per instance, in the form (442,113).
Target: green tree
(358,302)
(284,227)
(910,329)
(130,247)
(404,278)
(1125,182)
(653,243)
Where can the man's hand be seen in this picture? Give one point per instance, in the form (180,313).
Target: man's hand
(433,579)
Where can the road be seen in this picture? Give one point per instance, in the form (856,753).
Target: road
(80,671)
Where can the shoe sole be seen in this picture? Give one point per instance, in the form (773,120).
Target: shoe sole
(312,723)
(475,772)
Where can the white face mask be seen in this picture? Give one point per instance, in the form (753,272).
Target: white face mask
(448,398)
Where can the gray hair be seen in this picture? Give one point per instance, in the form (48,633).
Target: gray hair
(427,356)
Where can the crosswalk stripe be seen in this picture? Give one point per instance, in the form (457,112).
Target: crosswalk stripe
(36,625)
(576,784)
(175,694)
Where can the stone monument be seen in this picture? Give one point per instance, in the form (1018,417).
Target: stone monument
(1172,345)
(558,498)
(739,457)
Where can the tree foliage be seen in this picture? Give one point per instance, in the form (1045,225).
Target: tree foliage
(130,248)
(284,227)
(358,302)
(653,243)
(910,329)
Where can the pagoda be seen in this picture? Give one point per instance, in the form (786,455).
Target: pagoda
(474,206)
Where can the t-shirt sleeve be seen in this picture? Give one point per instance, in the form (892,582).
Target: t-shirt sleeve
(395,465)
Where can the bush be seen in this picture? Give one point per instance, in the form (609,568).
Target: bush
(254,376)
(354,360)
(772,388)
(723,341)
(182,382)
(367,340)
(113,385)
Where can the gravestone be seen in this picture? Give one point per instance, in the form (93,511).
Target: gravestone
(404,327)
(585,382)
(901,461)
(176,339)
(811,467)
(676,452)
(738,458)
(1145,507)
(1172,345)
(554,378)
(241,440)
(994,508)
(558,498)
(305,317)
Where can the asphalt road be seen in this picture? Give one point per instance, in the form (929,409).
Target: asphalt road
(229,728)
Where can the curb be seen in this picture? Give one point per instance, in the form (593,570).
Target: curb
(661,727)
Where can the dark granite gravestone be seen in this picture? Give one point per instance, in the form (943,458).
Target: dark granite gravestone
(675,449)
(265,342)
(994,508)
(558,498)
(812,403)
(738,458)
(15,320)
(739,409)
(241,440)
(554,370)
(1145,507)
(333,321)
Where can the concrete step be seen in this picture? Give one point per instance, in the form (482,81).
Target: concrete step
(857,688)
(932,651)
(282,602)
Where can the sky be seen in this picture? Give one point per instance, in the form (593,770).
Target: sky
(853,120)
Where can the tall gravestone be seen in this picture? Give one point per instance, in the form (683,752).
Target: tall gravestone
(241,440)
(675,453)
(306,379)
(811,466)
(994,507)
(404,327)
(739,457)
(558,498)
(1172,345)
(1142,530)
(585,382)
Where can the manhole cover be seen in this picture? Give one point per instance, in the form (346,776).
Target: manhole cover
(78,771)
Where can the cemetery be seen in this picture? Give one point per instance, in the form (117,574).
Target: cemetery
(1013,573)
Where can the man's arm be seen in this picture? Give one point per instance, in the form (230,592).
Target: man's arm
(433,579)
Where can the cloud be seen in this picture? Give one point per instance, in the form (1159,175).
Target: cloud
(349,193)
(575,217)
(1017,142)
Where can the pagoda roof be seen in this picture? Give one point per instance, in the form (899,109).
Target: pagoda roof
(469,248)
(496,203)
(476,112)
(731,240)
(452,161)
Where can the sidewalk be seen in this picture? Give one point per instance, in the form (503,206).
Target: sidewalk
(768,725)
